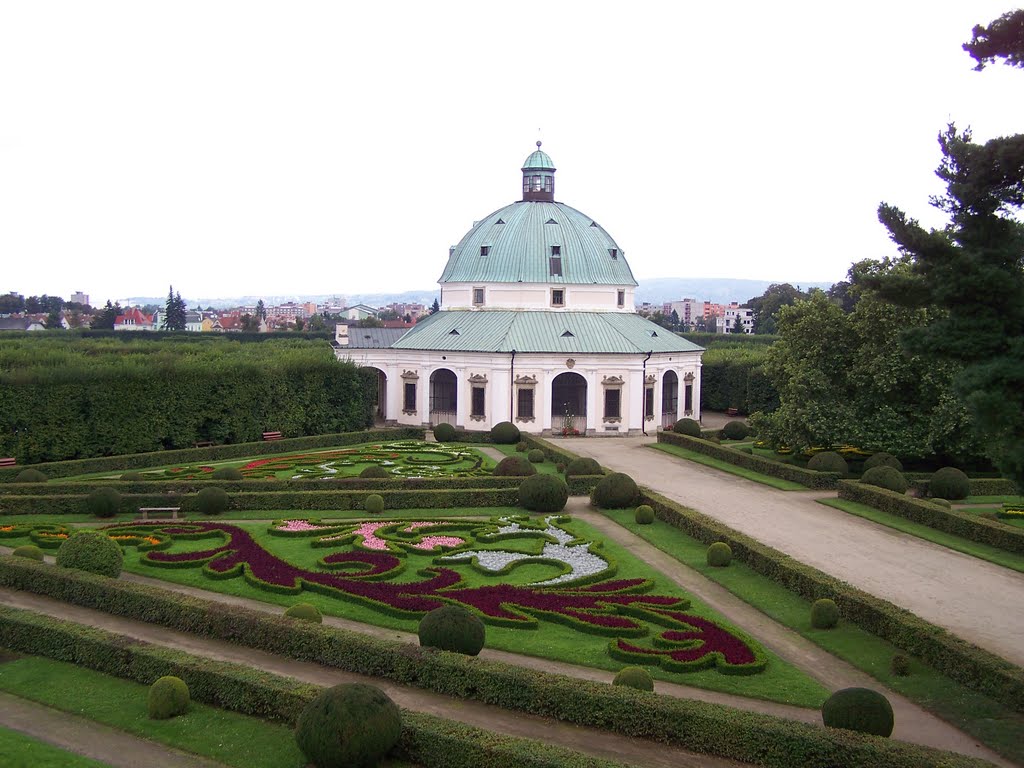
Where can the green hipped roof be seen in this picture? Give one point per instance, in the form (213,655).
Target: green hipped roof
(539,160)
(619,333)
(519,239)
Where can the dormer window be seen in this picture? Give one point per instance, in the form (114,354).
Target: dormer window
(558,297)
(478,296)
(556,266)
(485,250)
(556,250)
(614,253)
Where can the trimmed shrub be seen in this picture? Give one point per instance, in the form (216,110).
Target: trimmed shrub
(373,472)
(644,515)
(31,551)
(900,665)
(522,447)
(828,461)
(719,554)
(131,477)
(374,503)
(514,466)
(944,503)
(536,456)
(858,709)
(305,612)
(882,459)
(227,473)
(212,501)
(634,677)
(560,467)
(348,726)
(614,491)
(452,628)
(687,427)
(505,433)
(543,493)
(168,697)
(103,502)
(445,433)
(885,477)
(824,614)
(91,551)
(735,430)
(949,483)
(583,466)
(30,476)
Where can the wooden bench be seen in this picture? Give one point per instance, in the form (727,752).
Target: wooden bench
(732,412)
(8,462)
(203,444)
(271,435)
(144,512)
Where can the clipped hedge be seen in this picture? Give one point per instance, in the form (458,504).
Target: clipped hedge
(816,480)
(969,665)
(979,486)
(928,513)
(698,726)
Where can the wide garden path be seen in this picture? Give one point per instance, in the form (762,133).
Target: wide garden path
(974,599)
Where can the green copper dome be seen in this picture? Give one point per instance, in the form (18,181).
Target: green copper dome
(539,160)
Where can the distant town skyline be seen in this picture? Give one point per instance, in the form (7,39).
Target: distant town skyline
(238,149)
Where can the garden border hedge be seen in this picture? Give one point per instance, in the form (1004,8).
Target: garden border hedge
(954,657)
(694,725)
(979,486)
(130,461)
(952,521)
(806,477)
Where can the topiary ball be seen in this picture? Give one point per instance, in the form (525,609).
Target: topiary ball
(445,433)
(614,491)
(634,677)
(944,503)
(735,430)
(543,493)
(858,709)
(536,456)
(212,501)
(719,555)
(900,665)
(31,551)
(374,503)
(373,472)
(103,502)
(824,614)
(828,461)
(885,477)
(505,433)
(514,466)
(644,514)
(583,466)
(687,427)
(882,459)
(168,697)
(91,551)
(30,476)
(348,726)
(949,483)
(131,477)
(452,628)
(305,612)
(522,447)
(227,473)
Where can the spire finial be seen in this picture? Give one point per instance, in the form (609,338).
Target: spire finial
(538,144)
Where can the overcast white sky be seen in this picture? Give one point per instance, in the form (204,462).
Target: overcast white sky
(256,148)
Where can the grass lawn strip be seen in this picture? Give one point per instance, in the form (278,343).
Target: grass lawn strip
(966,546)
(21,751)
(724,466)
(990,722)
(989,500)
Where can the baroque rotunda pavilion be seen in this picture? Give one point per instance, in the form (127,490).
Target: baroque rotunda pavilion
(538,326)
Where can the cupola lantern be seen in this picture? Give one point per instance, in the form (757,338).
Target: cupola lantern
(538,177)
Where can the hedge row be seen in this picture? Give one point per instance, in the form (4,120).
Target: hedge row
(979,486)
(297,500)
(952,521)
(735,378)
(694,725)
(427,740)
(810,478)
(954,657)
(130,461)
(552,453)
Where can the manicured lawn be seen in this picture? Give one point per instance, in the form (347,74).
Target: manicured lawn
(968,547)
(21,751)
(732,469)
(990,722)
(1016,522)
(992,500)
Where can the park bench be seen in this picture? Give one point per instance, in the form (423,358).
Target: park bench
(732,412)
(160,512)
(271,435)
(8,462)
(203,444)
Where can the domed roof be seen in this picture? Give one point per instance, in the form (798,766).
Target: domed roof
(539,160)
(514,244)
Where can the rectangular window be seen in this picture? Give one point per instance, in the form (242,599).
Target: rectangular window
(688,398)
(557,297)
(648,402)
(613,403)
(484,250)
(556,266)
(477,402)
(524,409)
(409,400)
(478,296)
(621,298)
